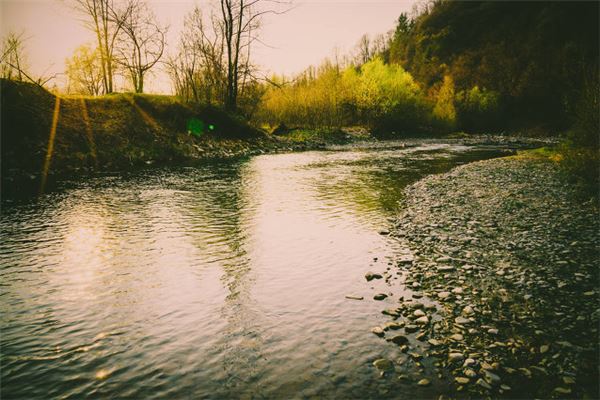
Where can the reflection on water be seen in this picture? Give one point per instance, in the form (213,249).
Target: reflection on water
(222,280)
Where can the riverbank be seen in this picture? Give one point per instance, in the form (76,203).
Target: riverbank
(508,256)
(45,135)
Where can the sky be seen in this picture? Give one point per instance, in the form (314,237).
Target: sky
(306,34)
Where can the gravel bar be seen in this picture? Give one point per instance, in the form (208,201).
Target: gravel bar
(510,255)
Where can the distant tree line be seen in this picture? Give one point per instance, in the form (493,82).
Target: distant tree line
(479,66)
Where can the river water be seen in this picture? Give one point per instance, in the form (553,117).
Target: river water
(222,280)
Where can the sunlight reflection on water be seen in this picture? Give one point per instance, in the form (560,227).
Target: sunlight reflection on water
(226,279)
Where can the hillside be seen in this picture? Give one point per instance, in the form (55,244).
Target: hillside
(540,59)
(108,131)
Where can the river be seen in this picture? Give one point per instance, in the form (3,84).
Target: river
(226,279)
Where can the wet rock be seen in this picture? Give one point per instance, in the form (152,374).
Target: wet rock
(399,339)
(406,260)
(491,378)
(383,364)
(418,313)
(393,326)
(369,276)
(461,380)
(561,391)
(469,362)
(568,380)
(393,312)
(352,297)
(378,331)
(457,337)
(483,384)
(424,382)
(470,373)
(443,295)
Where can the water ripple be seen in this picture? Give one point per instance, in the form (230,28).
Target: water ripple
(222,280)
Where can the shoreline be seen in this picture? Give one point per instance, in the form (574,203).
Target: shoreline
(502,247)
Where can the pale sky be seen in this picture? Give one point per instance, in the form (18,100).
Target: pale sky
(304,36)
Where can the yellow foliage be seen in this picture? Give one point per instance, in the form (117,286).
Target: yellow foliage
(444,107)
(335,97)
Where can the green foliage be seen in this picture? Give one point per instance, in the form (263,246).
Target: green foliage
(382,96)
(84,71)
(325,135)
(586,112)
(582,165)
(478,109)
(532,56)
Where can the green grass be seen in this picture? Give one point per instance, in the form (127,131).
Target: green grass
(541,153)
(124,128)
(324,135)
(581,165)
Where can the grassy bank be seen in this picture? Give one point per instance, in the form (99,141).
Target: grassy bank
(580,165)
(105,132)
(43,134)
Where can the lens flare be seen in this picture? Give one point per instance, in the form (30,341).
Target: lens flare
(50,149)
(145,116)
(88,130)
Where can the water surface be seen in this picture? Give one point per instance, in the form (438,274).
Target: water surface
(222,280)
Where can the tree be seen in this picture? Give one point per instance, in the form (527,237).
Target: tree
(198,69)
(84,71)
(400,38)
(213,63)
(12,61)
(240,20)
(364,49)
(106,21)
(141,42)
(444,107)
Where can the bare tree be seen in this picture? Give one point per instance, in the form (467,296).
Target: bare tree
(12,61)
(197,70)
(214,58)
(240,23)
(105,19)
(364,49)
(141,42)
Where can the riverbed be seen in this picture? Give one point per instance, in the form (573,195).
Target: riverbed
(225,279)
